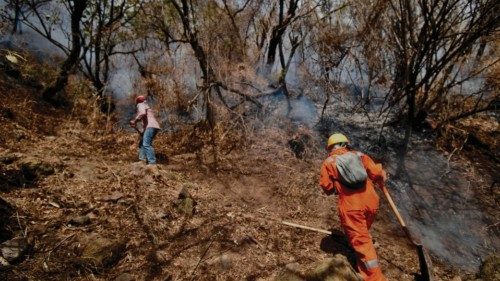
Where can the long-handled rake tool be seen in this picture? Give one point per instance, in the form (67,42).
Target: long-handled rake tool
(423,257)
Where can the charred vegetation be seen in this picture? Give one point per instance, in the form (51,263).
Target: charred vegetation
(247,93)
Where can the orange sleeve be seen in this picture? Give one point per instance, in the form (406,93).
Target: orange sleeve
(374,171)
(325,180)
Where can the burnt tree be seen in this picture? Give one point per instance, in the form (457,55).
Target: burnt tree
(76,10)
(431,40)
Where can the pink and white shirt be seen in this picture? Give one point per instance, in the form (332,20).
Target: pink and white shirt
(146,115)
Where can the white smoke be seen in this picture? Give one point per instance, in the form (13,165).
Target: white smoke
(442,211)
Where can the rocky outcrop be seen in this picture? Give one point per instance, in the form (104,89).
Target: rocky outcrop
(13,251)
(185,203)
(34,169)
(336,268)
(10,158)
(17,170)
(6,211)
(101,252)
(333,269)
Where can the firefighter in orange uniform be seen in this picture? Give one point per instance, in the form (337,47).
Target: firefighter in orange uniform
(357,207)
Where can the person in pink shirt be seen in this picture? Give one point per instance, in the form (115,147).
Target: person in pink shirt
(150,126)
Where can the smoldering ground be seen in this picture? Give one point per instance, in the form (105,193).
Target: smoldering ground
(441,210)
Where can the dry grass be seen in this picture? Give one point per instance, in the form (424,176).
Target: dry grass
(234,232)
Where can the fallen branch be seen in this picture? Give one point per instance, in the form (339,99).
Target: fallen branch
(47,258)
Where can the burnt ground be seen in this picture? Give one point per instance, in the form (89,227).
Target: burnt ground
(234,232)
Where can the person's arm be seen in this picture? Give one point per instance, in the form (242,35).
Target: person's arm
(375,171)
(141,112)
(325,180)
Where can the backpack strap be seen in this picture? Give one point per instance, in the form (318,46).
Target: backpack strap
(331,159)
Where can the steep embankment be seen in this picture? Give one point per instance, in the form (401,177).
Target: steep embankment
(87,211)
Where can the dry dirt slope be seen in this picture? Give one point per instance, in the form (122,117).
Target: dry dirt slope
(89,213)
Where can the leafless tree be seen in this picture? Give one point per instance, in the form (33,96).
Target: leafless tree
(76,11)
(432,43)
(96,29)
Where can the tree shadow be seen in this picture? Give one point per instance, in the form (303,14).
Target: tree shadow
(337,243)
(191,238)
(162,158)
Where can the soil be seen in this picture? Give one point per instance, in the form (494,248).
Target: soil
(234,232)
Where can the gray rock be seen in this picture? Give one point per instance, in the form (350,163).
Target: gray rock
(13,250)
(6,212)
(113,197)
(101,252)
(4,264)
(10,158)
(125,277)
(224,261)
(336,268)
(34,169)
(185,203)
(161,256)
(80,220)
(126,201)
(294,266)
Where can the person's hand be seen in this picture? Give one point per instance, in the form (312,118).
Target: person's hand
(384,176)
(332,191)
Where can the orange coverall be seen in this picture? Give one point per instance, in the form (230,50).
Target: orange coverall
(357,210)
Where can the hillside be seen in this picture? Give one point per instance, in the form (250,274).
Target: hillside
(87,211)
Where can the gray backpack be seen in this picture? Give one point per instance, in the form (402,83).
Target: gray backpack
(351,170)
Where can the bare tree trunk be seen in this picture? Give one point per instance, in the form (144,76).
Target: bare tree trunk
(327,100)
(284,71)
(278,30)
(184,10)
(17,11)
(74,56)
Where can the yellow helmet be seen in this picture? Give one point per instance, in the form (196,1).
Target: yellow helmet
(336,138)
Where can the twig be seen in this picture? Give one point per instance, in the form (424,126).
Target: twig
(286,167)
(448,168)
(492,225)
(57,246)
(203,255)
(25,232)
(114,174)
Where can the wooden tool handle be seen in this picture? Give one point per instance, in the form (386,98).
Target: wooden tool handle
(306,227)
(393,206)
(398,215)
